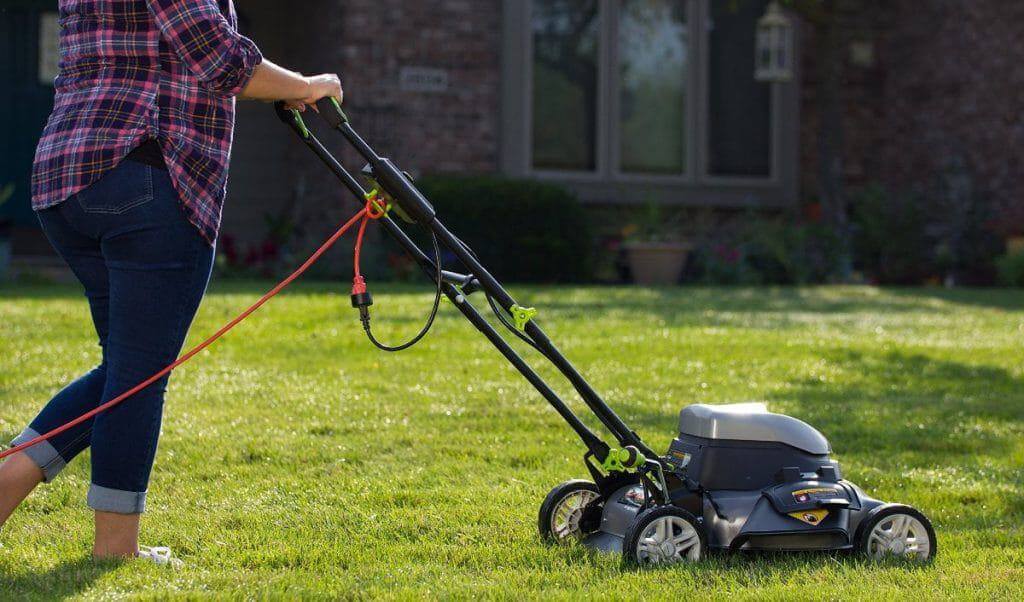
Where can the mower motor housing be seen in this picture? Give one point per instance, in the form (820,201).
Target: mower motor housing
(755,480)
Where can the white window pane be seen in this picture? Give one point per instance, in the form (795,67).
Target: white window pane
(740,108)
(653,60)
(565,57)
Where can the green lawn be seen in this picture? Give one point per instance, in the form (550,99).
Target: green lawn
(296,461)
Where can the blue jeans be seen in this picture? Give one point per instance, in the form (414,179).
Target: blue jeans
(145,269)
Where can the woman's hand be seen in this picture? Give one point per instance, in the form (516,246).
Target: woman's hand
(272,83)
(325,85)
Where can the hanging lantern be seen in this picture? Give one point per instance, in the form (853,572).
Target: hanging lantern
(774,46)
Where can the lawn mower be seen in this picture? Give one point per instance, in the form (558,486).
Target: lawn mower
(737,477)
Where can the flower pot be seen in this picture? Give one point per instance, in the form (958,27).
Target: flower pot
(1014,245)
(657,263)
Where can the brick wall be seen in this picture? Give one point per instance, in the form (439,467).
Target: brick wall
(450,125)
(941,81)
(954,89)
(946,84)
(454,129)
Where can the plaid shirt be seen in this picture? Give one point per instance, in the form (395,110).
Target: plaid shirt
(137,69)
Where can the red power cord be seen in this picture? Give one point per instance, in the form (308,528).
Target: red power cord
(367,213)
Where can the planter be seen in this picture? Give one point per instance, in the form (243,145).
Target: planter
(657,263)
(1014,245)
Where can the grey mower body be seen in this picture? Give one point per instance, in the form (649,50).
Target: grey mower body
(755,480)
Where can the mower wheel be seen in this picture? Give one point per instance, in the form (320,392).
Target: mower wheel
(562,515)
(895,530)
(664,535)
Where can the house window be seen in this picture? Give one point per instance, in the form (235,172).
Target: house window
(566,38)
(739,107)
(653,47)
(633,100)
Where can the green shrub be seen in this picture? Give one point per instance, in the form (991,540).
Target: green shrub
(523,231)
(784,251)
(758,249)
(890,241)
(1011,269)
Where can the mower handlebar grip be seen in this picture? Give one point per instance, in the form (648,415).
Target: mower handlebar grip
(330,109)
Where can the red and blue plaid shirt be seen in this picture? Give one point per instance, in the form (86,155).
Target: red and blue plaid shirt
(131,70)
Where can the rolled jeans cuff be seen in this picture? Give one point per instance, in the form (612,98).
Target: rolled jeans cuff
(116,501)
(45,455)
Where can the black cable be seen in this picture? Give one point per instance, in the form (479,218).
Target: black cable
(364,313)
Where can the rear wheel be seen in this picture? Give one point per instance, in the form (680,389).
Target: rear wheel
(663,536)
(564,512)
(897,531)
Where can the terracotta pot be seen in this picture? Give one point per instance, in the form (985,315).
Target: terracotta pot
(657,263)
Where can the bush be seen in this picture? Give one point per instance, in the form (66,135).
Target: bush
(939,232)
(784,251)
(523,231)
(890,241)
(1011,269)
(757,249)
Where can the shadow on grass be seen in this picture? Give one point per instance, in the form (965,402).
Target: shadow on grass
(754,565)
(67,579)
(758,565)
(768,305)
(897,402)
(991,298)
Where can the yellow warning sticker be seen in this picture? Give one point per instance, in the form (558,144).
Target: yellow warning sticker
(811,517)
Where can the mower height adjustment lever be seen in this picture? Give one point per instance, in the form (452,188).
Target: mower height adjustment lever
(626,459)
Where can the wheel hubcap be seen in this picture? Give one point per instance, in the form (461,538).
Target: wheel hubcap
(899,535)
(668,540)
(565,520)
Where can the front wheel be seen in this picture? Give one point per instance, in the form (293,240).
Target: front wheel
(564,512)
(896,530)
(665,535)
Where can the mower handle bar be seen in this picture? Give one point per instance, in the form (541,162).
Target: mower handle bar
(412,201)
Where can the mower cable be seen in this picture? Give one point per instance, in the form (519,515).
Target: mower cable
(361,215)
(364,313)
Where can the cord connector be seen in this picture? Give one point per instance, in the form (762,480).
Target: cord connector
(361,298)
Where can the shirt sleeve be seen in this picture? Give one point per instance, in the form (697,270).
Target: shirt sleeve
(220,57)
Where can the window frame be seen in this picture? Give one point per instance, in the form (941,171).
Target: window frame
(608,183)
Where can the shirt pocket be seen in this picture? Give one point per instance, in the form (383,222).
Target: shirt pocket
(123,188)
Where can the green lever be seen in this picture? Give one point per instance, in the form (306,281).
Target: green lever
(521,316)
(337,107)
(330,110)
(303,130)
(627,459)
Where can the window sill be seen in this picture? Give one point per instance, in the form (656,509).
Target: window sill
(726,193)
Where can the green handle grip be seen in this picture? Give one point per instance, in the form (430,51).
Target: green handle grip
(330,109)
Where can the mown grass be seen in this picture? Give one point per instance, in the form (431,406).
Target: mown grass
(296,461)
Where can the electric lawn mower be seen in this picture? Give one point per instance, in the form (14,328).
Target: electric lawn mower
(736,478)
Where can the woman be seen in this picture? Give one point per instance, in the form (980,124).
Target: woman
(128,183)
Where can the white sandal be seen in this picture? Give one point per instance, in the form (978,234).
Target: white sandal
(159,555)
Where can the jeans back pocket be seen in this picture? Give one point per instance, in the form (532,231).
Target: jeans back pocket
(126,186)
